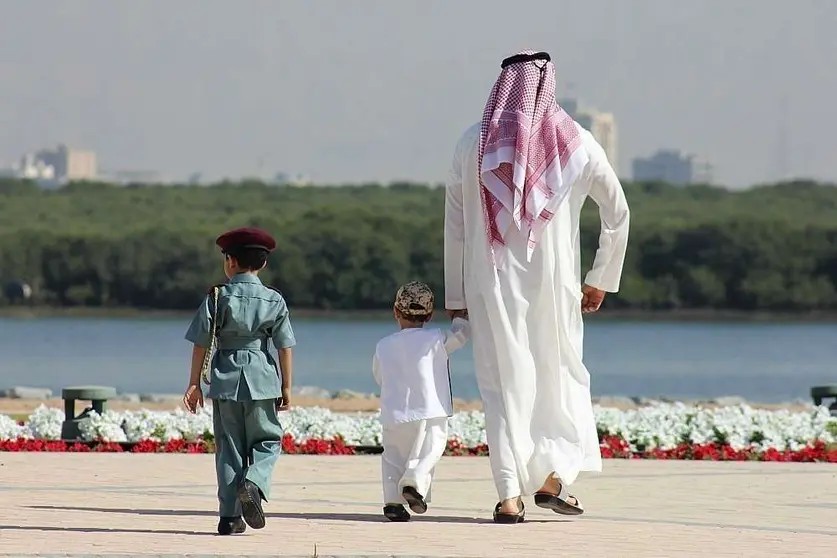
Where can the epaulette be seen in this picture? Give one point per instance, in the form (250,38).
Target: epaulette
(213,287)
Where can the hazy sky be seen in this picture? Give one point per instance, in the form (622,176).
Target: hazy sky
(379,90)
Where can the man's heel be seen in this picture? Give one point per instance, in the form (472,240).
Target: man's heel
(509,518)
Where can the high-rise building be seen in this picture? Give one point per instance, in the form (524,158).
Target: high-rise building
(603,128)
(601,124)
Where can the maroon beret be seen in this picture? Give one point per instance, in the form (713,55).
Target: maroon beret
(247,237)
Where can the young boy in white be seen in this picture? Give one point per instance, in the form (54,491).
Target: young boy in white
(411,366)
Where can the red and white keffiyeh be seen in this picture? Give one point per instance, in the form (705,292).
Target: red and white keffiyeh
(530,153)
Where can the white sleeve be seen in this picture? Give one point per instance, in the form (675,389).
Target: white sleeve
(606,191)
(454,236)
(457,336)
(376,369)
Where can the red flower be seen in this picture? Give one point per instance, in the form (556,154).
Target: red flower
(108,447)
(612,447)
(288,445)
(146,446)
(174,446)
(196,447)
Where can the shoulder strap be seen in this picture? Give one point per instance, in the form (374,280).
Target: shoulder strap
(213,287)
(213,332)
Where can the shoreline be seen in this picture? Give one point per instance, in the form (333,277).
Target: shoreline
(606,315)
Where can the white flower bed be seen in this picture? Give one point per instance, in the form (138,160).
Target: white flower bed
(662,426)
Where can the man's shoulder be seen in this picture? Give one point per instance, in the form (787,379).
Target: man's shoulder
(470,136)
(466,147)
(588,140)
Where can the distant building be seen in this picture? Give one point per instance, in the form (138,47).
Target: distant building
(35,169)
(29,167)
(603,128)
(702,172)
(668,166)
(70,164)
(601,124)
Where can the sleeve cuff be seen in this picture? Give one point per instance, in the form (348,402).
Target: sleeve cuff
(594,279)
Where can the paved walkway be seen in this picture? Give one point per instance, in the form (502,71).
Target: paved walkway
(96,504)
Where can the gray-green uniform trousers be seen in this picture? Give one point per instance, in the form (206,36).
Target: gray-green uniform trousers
(248,440)
(244,383)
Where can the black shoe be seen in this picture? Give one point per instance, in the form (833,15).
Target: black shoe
(231,526)
(510,518)
(396,512)
(251,504)
(414,499)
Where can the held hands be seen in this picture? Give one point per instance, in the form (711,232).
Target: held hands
(591,299)
(193,398)
(284,402)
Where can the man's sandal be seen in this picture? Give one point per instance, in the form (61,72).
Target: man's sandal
(509,518)
(396,513)
(414,499)
(560,503)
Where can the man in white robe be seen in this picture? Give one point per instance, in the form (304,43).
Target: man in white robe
(512,259)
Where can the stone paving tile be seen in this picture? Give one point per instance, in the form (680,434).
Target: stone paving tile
(128,505)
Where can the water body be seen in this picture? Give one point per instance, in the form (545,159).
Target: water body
(761,362)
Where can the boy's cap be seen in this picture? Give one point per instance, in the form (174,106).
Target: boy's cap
(414,299)
(246,237)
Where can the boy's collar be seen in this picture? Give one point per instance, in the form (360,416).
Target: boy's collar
(245,278)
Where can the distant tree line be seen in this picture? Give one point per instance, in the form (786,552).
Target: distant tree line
(348,247)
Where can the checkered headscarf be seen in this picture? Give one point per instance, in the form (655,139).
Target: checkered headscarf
(530,153)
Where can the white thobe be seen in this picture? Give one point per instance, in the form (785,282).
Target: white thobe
(526,320)
(412,368)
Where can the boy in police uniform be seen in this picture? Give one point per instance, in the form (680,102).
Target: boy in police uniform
(245,384)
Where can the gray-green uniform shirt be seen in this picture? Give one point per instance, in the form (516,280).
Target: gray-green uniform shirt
(249,313)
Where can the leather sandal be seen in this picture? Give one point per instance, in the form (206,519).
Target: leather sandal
(414,499)
(559,503)
(510,518)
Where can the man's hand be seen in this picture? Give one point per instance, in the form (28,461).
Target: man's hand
(284,403)
(591,299)
(193,398)
(459,313)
